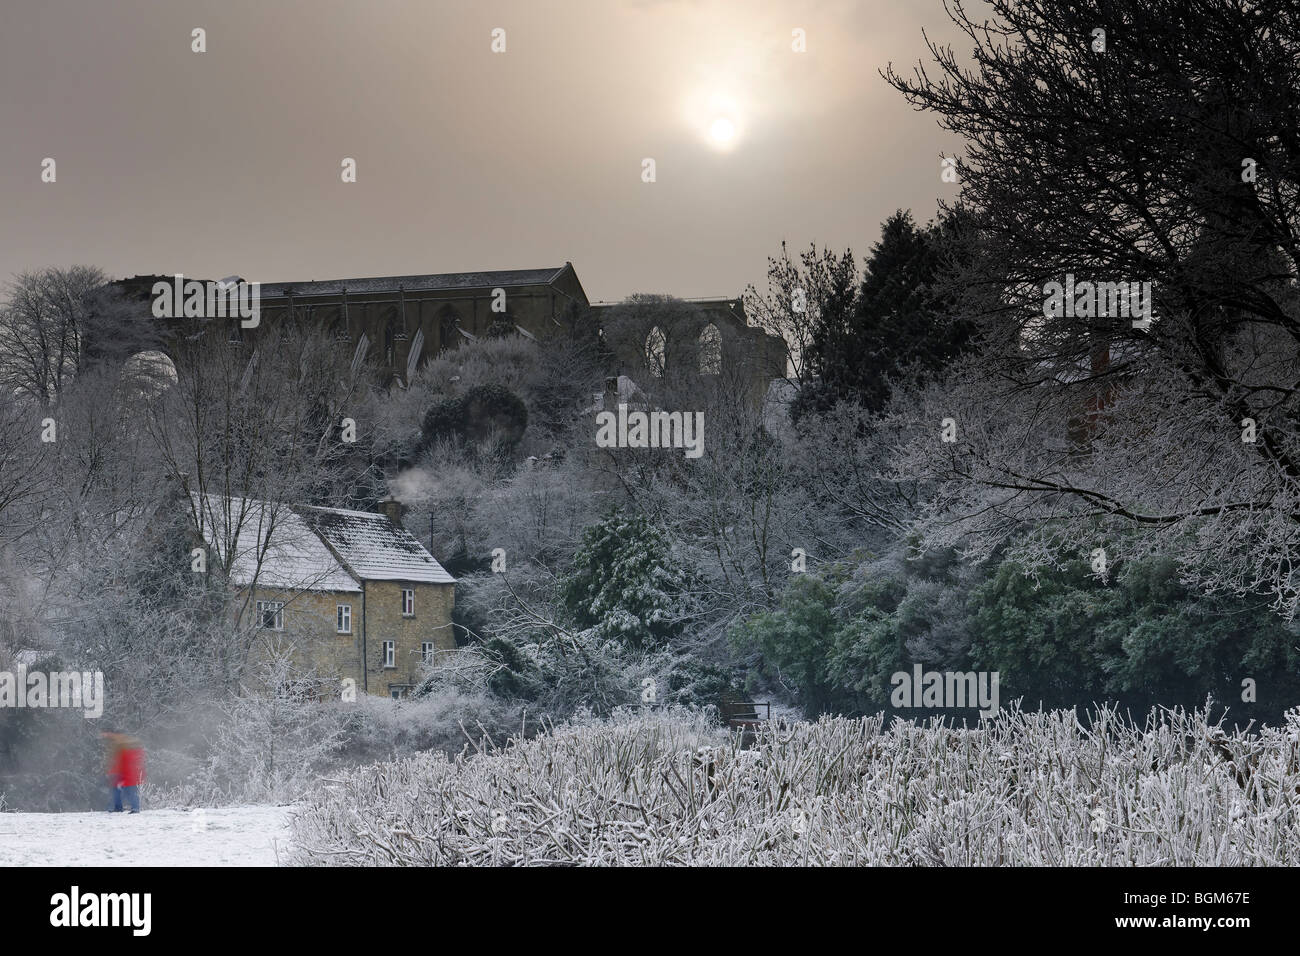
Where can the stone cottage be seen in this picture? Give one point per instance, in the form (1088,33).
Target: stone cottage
(352,594)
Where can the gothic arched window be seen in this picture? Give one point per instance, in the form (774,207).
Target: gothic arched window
(710,350)
(656,352)
(448,322)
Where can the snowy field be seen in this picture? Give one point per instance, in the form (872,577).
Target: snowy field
(230,836)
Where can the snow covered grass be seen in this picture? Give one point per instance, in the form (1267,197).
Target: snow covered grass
(229,836)
(1023,789)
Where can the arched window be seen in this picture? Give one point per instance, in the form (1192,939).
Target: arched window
(656,351)
(710,350)
(448,322)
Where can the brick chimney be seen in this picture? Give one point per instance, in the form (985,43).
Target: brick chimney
(609,401)
(393,508)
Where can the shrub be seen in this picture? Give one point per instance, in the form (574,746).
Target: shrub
(1040,789)
(483,413)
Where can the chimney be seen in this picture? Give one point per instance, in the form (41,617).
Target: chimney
(610,400)
(393,508)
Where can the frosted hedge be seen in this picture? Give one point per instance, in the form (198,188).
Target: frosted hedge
(1022,789)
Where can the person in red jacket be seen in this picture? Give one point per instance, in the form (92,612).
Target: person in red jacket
(125,770)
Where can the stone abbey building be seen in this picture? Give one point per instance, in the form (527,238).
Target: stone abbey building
(404,321)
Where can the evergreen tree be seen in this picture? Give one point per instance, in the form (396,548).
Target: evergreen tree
(895,324)
(626,583)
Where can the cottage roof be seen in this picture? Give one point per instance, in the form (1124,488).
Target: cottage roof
(314,549)
(373,547)
(271,543)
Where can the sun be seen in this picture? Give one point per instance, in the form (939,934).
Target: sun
(717,116)
(722,132)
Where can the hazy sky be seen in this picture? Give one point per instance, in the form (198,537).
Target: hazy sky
(228,162)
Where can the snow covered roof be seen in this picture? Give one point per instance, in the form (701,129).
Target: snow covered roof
(373,547)
(291,555)
(315,549)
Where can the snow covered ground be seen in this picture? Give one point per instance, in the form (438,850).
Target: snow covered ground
(229,836)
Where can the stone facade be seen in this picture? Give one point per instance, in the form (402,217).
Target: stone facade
(349,595)
(310,631)
(708,339)
(429,623)
(407,320)
(402,316)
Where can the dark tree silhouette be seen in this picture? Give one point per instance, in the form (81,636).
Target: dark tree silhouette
(1128,141)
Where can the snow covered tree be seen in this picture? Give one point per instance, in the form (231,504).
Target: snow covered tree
(626,583)
(1167,163)
(804,296)
(277,734)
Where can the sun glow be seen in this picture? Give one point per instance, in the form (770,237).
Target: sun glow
(722,132)
(716,116)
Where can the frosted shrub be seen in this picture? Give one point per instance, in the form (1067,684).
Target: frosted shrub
(1022,789)
(379,728)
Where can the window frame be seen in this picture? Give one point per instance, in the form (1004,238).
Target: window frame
(408,598)
(390,654)
(342,611)
(277,620)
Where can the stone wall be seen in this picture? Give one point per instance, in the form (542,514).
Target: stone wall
(311,632)
(385,622)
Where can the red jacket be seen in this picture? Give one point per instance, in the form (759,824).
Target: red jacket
(129,767)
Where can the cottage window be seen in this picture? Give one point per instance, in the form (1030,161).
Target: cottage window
(408,602)
(271,614)
(390,653)
(345,618)
(426,651)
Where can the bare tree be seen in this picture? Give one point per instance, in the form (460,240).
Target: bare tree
(41,325)
(816,292)
(247,433)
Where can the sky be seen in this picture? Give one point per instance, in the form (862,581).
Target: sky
(229,161)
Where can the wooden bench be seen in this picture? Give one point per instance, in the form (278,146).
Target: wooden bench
(742,715)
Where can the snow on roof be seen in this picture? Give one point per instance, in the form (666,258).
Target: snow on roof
(314,549)
(373,547)
(291,555)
